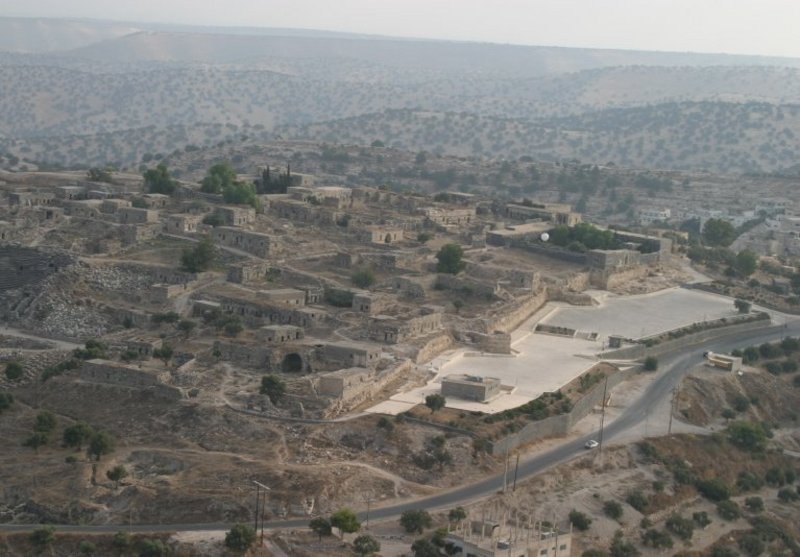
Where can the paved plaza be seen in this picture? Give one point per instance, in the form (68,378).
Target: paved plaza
(544,363)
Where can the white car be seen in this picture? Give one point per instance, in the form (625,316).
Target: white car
(591,444)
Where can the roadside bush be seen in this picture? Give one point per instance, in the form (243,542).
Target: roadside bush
(622,548)
(651,363)
(775,477)
(723,551)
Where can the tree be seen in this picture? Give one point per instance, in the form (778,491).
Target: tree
(728,510)
(580,520)
(718,233)
(121,542)
(199,258)
(366,545)
(240,537)
(363,277)
(186,326)
(77,434)
(746,263)
(158,180)
(93,349)
(98,175)
(742,306)
(435,402)
(101,443)
(151,548)
(14,370)
(449,258)
(650,363)
(240,193)
(274,387)
(218,177)
(45,422)
(321,526)
(415,520)
(594,552)
(116,474)
(424,548)
(164,353)
(457,515)
(43,537)
(346,521)
(424,237)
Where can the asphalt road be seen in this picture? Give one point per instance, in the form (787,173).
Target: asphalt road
(672,368)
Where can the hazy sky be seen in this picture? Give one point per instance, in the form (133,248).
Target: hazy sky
(770,27)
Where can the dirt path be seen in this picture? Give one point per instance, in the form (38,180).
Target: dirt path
(60,344)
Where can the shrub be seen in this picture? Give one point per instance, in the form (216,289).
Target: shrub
(580,520)
(750,436)
(723,551)
(681,527)
(240,537)
(657,539)
(747,481)
(650,363)
(728,510)
(613,510)
(788,495)
(637,500)
(363,278)
(713,490)
(774,477)
(754,504)
(14,371)
(751,545)
(701,519)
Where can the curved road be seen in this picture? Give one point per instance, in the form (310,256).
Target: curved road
(673,367)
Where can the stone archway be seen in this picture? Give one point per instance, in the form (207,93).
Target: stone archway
(387,239)
(292,363)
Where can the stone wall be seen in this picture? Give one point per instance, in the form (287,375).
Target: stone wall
(114,373)
(640,351)
(513,314)
(20,266)
(561,424)
(433,347)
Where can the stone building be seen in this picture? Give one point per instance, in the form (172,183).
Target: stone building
(351,354)
(449,217)
(492,539)
(470,387)
(182,224)
(397,329)
(256,243)
(232,215)
(279,334)
(328,196)
(555,213)
(133,215)
(381,235)
(30,199)
(284,296)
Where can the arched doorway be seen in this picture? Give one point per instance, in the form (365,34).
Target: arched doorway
(388,239)
(292,363)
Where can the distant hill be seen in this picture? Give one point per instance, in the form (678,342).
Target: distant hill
(715,136)
(446,56)
(51,35)
(93,92)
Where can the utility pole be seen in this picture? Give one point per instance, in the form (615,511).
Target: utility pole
(603,415)
(516,469)
(505,474)
(259,487)
(671,410)
(368,500)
